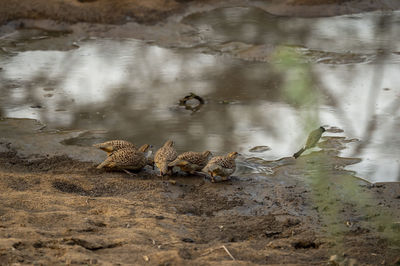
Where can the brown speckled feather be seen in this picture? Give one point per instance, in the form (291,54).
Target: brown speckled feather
(223,161)
(126,159)
(164,156)
(199,159)
(114,145)
(221,165)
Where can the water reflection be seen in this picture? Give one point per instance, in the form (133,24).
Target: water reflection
(132,89)
(360,33)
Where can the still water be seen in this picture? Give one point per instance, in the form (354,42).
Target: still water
(131,89)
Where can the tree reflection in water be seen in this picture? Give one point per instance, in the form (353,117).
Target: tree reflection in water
(132,89)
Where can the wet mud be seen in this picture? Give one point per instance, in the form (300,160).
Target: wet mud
(57,210)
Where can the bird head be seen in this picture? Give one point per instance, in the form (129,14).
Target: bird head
(207,154)
(322,128)
(233,155)
(144,147)
(169,143)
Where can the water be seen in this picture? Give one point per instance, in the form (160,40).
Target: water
(131,89)
(362,33)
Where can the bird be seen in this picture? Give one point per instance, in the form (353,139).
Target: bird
(165,155)
(191,161)
(312,140)
(222,166)
(126,159)
(114,145)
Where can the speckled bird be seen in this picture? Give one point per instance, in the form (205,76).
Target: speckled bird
(222,166)
(191,161)
(114,145)
(165,155)
(312,140)
(126,159)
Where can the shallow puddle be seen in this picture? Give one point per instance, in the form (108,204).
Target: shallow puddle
(359,33)
(131,89)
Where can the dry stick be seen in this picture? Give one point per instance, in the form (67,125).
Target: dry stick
(227,251)
(208,252)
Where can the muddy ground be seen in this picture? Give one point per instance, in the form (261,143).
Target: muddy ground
(58,210)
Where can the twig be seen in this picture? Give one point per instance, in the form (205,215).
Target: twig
(208,252)
(213,249)
(227,251)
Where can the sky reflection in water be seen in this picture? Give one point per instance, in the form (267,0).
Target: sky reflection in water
(131,89)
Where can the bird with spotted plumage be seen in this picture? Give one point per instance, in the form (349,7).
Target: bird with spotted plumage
(191,161)
(126,159)
(114,145)
(223,166)
(164,156)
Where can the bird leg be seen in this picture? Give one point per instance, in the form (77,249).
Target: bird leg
(162,175)
(212,177)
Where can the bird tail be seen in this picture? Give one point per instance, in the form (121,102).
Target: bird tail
(297,154)
(102,165)
(173,163)
(181,163)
